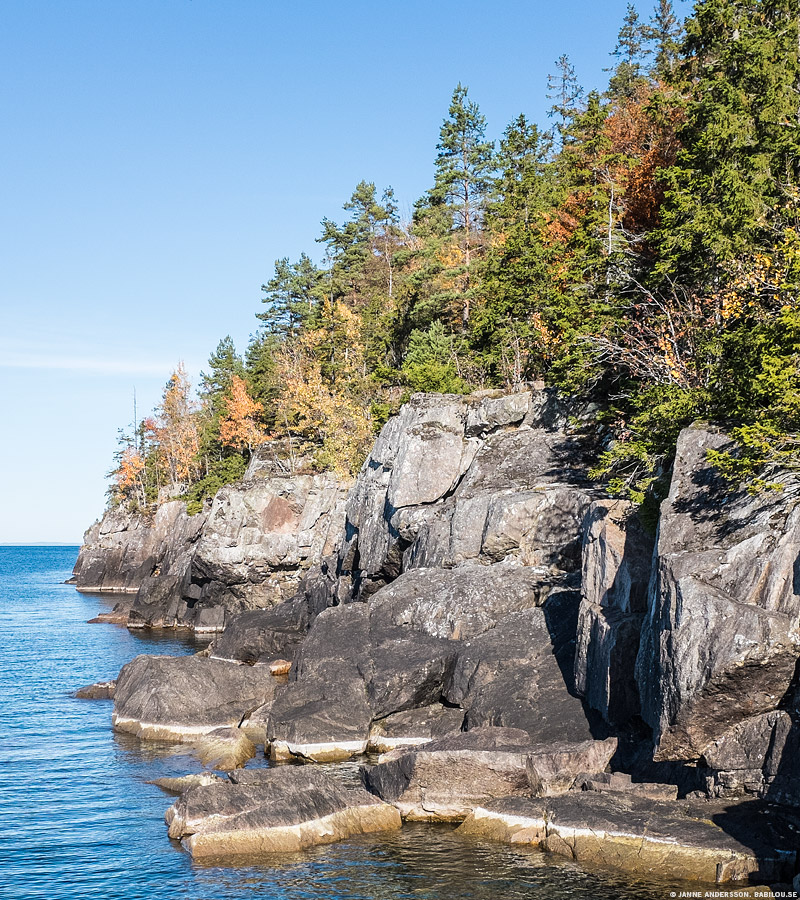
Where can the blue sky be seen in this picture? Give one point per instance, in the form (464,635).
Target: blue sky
(159,155)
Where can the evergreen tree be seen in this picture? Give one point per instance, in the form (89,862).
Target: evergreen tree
(224,364)
(261,374)
(740,149)
(508,327)
(664,35)
(464,169)
(566,94)
(291,295)
(631,52)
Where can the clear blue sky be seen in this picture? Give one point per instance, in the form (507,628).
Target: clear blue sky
(159,155)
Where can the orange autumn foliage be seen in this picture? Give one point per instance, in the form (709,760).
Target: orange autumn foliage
(238,428)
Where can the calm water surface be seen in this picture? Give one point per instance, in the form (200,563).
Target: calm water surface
(79,820)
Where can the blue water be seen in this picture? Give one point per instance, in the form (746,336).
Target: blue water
(79,820)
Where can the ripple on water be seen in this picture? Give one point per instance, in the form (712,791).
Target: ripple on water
(79,820)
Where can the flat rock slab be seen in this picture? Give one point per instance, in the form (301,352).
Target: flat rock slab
(288,809)
(182,698)
(446,779)
(639,836)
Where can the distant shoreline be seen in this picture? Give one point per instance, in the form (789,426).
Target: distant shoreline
(39,544)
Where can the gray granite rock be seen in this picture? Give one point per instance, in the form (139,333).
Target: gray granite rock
(290,808)
(615,572)
(183,698)
(721,637)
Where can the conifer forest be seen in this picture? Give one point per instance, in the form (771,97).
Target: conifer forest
(639,249)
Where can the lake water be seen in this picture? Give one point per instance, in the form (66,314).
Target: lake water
(79,820)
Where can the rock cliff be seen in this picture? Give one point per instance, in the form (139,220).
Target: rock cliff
(472,596)
(248,550)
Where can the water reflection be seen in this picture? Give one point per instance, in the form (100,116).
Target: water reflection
(420,861)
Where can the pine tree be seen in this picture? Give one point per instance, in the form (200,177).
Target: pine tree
(464,169)
(291,296)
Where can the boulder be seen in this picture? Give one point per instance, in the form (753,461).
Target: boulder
(288,809)
(271,633)
(321,717)
(554,768)
(519,675)
(224,748)
(457,604)
(642,837)
(746,758)
(345,675)
(615,572)
(407,670)
(721,637)
(182,698)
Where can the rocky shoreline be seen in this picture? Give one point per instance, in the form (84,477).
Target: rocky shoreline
(528,659)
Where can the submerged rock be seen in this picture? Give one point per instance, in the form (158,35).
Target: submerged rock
(101,690)
(224,748)
(285,810)
(181,783)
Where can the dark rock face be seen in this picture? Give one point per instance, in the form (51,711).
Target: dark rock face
(285,810)
(615,571)
(181,698)
(264,634)
(721,636)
